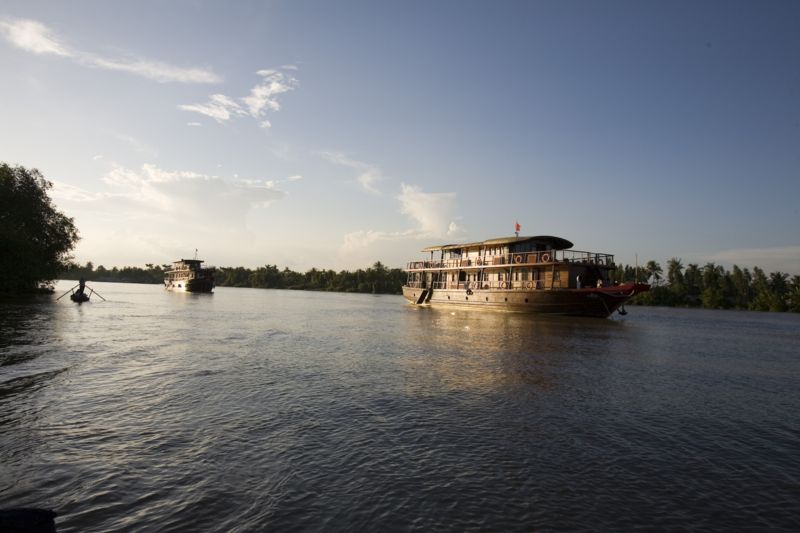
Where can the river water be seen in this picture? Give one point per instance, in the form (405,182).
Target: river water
(250,410)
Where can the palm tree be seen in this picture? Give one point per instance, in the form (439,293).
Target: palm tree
(654,271)
(675,272)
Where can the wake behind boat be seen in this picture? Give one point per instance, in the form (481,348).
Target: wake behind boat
(539,274)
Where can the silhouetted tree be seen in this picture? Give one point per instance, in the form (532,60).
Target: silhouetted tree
(654,272)
(35,238)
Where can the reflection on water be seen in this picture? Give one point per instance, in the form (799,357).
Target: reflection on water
(494,349)
(260,409)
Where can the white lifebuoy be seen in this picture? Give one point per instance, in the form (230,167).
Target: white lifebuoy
(518,259)
(545,257)
(529,285)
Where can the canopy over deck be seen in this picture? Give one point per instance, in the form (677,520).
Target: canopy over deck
(555,243)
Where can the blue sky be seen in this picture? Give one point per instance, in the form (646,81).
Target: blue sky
(335,134)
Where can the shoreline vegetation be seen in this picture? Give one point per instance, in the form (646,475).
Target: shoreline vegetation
(710,286)
(377,279)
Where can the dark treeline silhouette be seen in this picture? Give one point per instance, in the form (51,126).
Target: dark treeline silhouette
(713,287)
(35,237)
(376,279)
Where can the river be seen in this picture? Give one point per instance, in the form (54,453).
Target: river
(248,410)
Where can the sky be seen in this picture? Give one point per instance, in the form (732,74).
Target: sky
(336,134)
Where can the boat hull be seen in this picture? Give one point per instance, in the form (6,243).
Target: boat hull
(593,302)
(190,285)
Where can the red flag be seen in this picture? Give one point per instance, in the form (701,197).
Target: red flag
(517,227)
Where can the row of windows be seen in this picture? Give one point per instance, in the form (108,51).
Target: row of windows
(516,275)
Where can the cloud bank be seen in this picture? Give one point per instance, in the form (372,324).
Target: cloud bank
(33,36)
(432,215)
(151,213)
(178,197)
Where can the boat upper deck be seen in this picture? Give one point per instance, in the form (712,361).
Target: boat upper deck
(187,265)
(601,260)
(510,251)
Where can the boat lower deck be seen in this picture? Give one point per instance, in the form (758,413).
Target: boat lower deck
(594,302)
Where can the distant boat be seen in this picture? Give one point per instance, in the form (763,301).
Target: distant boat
(187,275)
(529,274)
(81,293)
(79,297)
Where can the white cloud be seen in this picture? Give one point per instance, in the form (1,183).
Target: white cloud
(181,197)
(773,259)
(143,214)
(154,70)
(368,175)
(194,192)
(263,98)
(219,107)
(432,212)
(194,124)
(70,193)
(35,37)
(97,157)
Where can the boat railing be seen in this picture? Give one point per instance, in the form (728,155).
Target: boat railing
(518,259)
(577,256)
(528,285)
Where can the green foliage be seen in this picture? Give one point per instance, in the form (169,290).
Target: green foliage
(654,272)
(35,238)
(377,279)
(713,287)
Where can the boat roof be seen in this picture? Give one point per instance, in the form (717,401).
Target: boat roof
(556,243)
(198,261)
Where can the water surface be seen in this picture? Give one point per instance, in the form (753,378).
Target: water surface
(264,409)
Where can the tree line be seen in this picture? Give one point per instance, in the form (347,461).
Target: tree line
(711,286)
(377,279)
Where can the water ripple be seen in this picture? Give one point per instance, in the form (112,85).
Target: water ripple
(257,410)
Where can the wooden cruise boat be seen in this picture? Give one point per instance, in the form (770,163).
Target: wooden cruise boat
(188,275)
(530,274)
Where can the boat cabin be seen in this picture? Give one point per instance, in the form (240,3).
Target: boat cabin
(534,263)
(187,269)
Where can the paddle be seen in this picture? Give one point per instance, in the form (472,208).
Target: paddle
(69,290)
(97,293)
